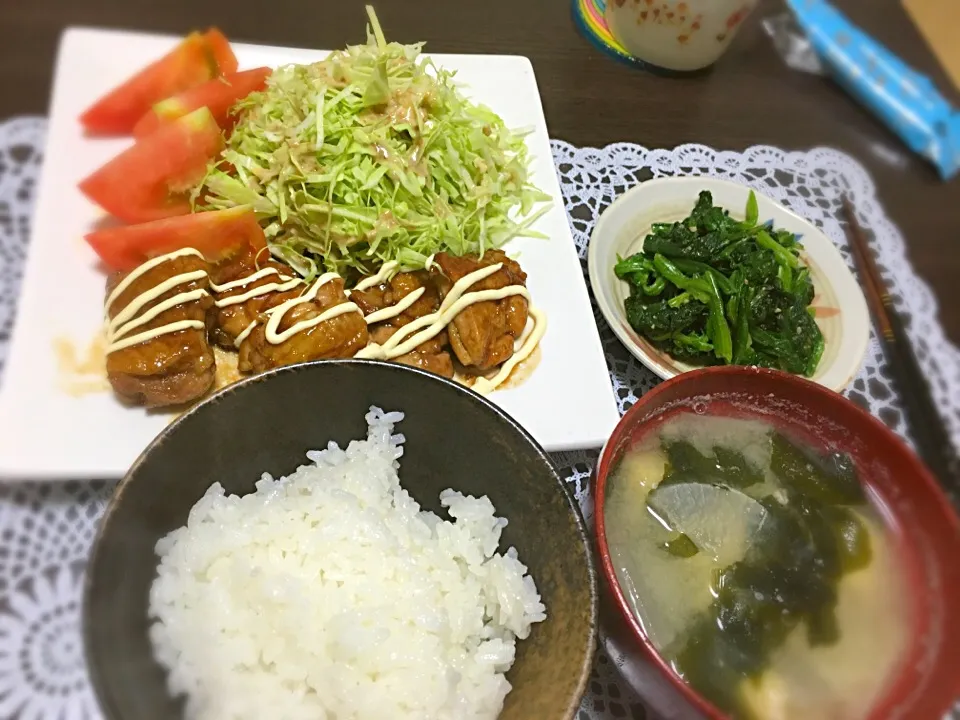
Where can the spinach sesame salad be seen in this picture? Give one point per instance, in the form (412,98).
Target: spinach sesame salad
(712,290)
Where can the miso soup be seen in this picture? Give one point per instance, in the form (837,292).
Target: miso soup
(758,568)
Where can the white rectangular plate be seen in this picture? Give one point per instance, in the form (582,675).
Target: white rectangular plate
(48,432)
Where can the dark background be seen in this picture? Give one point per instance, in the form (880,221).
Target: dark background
(750,98)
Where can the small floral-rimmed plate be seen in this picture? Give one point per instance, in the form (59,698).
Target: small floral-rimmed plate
(839,306)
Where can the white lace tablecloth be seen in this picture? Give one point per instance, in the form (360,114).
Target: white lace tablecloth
(46,530)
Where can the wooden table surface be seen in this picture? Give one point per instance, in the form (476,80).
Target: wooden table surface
(750,98)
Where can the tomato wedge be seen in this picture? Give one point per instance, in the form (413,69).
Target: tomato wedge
(198,58)
(153,178)
(217,234)
(219,52)
(218,95)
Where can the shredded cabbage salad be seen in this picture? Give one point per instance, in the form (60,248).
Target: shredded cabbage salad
(370,155)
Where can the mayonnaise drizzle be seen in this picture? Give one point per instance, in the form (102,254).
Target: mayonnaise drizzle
(156,310)
(394,310)
(244,281)
(276,315)
(403,341)
(387,270)
(156,332)
(525,345)
(127,320)
(457,300)
(290,284)
(145,268)
(276,338)
(138,303)
(434,320)
(245,334)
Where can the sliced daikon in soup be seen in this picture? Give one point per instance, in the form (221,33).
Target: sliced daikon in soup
(720,521)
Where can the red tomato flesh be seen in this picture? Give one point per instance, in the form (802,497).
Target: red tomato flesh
(198,58)
(220,52)
(216,234)
(153,178)
(218,96)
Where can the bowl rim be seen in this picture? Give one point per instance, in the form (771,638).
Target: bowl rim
(101,689)
(922,476)
(855,306)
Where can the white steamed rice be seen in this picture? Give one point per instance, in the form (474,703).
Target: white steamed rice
(330,594)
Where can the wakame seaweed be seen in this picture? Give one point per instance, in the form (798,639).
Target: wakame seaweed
(830,478)
(679,545)
(808,540)
(710,289)
(722,466)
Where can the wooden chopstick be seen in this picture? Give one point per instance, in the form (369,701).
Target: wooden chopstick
(923,418)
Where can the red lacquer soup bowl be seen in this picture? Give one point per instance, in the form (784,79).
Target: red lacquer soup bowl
(922,523)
